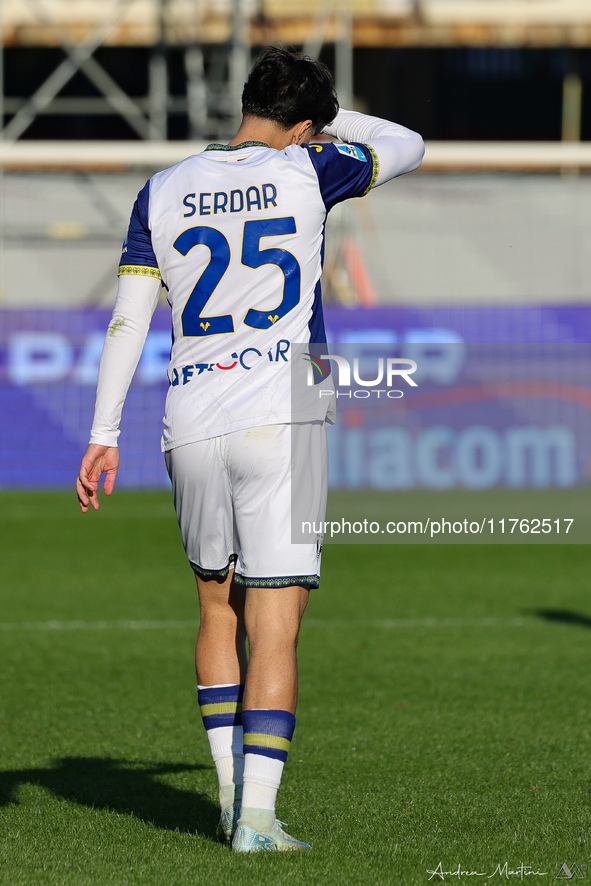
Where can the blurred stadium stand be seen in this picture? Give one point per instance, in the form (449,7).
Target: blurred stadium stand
(159,69)
(97,95)
(425,240)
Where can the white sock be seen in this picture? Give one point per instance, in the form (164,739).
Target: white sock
(226,746)
(262,777)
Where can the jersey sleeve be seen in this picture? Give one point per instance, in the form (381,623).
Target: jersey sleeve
(345,170)
(137,298)
(138,258)
(398,149)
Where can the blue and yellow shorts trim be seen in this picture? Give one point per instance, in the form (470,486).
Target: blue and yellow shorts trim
(207,574)
(281,581)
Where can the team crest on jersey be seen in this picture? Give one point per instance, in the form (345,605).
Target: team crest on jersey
(352,151)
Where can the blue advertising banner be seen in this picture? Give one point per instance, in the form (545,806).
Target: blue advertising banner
(49,362)
(460,416)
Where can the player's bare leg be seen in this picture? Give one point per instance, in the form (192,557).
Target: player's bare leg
(273,617)
(220,660)
(220,654)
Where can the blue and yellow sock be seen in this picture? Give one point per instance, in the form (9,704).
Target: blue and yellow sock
(267,738)
(221,709)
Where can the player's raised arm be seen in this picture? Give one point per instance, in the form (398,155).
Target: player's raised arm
(137,297)
(398,149)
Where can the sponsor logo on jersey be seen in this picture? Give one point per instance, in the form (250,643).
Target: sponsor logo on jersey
(352,151)
(245,360)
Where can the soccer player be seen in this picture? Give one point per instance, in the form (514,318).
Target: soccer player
(235,234)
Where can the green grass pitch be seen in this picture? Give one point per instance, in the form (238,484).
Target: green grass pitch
(443,718)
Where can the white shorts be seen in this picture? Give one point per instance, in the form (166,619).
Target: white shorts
(233,499)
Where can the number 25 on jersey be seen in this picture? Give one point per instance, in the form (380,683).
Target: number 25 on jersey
(193,322)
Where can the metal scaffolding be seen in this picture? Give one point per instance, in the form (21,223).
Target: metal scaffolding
(214,71)
(147,117)
(216,64)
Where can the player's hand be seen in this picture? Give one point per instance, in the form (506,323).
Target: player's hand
(97,460)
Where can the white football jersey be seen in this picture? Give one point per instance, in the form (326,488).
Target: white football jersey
(236,235)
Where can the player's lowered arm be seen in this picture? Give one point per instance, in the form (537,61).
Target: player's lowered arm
(399,149)
(137,298)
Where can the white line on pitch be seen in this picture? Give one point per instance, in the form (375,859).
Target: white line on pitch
(388,623)
(124,625)
(418,622)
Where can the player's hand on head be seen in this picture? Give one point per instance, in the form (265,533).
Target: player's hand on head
(97,460)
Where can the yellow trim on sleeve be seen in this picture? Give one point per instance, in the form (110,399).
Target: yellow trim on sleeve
(139,271)
(376,169)
(267,741)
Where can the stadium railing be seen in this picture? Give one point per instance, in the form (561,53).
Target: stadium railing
(440,156)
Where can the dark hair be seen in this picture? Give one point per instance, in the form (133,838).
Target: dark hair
(287,88)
